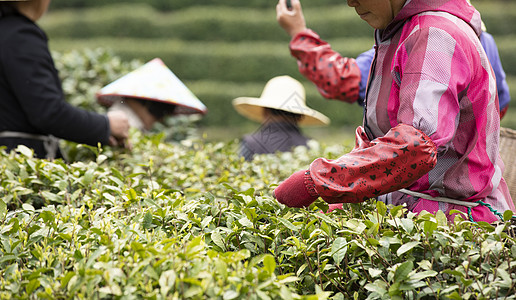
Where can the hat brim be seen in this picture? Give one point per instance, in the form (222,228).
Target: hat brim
(181,109)
(252,108)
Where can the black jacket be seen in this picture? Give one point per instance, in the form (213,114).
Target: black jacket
(31,97)
(272,137)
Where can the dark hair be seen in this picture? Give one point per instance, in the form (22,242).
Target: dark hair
(285,114)
(7,8)
(158,109)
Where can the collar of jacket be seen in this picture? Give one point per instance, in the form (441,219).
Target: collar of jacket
(459,8)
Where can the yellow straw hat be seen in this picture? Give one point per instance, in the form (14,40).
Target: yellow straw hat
(281,93)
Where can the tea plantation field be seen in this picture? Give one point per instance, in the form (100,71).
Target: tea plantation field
(178,217)
(181,216)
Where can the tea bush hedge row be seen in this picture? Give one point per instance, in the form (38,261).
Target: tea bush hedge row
(235,62)
(482,5)
(191,29)
(180,4)
(197,23)
(230,23)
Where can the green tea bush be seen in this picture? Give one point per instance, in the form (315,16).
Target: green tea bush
(221,61)
(201,40)
(218,21)
(498,16)
(192,220)
(506,46)
(84,72)
(510,118)
(208,23)
(179,4)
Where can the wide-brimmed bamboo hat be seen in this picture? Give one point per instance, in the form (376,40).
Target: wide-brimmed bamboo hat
(153,81)
(282,93)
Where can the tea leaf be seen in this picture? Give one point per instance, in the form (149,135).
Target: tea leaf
(339,249)
(269,263)
(403,270)
(406,247)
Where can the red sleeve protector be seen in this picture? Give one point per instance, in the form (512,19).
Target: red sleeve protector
(336,77)
(373,168)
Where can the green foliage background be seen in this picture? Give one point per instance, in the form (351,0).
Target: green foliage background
(225,49)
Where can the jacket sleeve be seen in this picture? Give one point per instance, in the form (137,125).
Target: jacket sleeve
(374,168)
(336,77)
(36,85)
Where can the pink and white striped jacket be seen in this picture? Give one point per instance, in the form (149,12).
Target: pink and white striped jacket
(431,72)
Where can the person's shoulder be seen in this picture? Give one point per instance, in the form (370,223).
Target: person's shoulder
(18,32)
(442,26)
(13,25)
(14,22)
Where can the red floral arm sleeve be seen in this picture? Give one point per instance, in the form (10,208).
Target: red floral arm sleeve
(376,167)
(336,77)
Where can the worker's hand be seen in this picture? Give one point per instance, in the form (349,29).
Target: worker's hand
(119,128)
(293,20)
(118,124)
(293,191)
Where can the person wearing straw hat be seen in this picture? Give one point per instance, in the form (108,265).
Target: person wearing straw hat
(280,109)
(149,94)
(33,111)
(430,136)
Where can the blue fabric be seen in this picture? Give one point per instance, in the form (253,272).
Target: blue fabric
(272,137)
(364,61)
(489,45)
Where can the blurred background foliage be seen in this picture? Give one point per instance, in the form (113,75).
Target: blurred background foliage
(223,49)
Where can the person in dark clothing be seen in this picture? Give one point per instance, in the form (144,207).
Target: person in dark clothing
(33,111)
(281,109)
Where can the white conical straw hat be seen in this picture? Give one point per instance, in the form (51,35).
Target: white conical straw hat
(282,93)
(153,82)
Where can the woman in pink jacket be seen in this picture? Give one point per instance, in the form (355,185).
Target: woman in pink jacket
(430,135)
